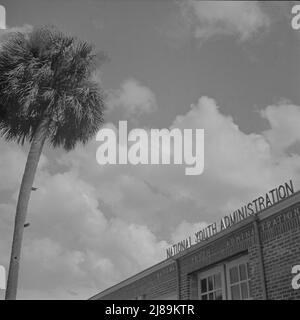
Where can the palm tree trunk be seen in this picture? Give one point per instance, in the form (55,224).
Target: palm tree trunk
(21,211)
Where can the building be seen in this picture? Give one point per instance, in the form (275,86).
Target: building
(253,259)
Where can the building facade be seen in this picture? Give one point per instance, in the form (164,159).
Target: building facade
(253,259)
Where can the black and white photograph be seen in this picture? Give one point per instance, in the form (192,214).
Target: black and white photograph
(149,150)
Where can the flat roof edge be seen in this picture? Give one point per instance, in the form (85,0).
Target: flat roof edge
(135,277)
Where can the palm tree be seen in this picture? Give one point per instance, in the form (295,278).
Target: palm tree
(47,93)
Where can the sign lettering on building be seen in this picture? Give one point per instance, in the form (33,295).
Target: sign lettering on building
(263,202)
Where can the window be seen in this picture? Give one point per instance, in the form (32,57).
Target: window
(227,281)
(211,285)
(238,279)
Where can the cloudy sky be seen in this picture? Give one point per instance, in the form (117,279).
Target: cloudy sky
(231,68)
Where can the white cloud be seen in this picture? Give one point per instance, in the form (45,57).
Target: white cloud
(242,19)
(133,98)
(71,248)
(238,166)
(285,128)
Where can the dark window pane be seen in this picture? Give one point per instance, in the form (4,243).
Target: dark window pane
(243,275)
(210,283)
(218,295)
(204,297)
(234,275)
(211,296)
(218,281)
(235,292)
(203,285)
(244,289)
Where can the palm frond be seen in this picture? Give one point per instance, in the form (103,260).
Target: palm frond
(46,75)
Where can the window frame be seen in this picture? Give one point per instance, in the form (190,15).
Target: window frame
(236,263)
(208,273)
